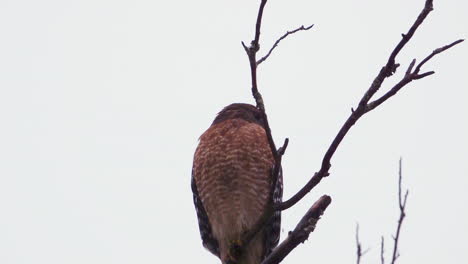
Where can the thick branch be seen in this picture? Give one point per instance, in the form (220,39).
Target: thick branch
(300,233)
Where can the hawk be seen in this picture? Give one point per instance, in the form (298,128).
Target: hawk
(232,185)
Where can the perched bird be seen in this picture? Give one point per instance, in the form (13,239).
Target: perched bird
(232,184)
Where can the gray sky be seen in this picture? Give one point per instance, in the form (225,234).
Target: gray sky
(102,103)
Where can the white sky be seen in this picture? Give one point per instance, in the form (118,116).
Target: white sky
(102,103)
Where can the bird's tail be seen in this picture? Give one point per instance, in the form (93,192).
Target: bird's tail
(252,254)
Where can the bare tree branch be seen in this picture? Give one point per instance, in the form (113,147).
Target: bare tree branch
(280,39)
(382,250)
(402,205)
(301,232)
(410,76)
(364,106)
(437,51)
(359,252)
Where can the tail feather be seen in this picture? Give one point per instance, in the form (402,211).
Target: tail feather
(252,254)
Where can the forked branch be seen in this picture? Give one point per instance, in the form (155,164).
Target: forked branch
(364,106)
(410,75)
(402,206)
(280,39)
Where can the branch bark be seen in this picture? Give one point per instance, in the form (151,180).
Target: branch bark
(301,232)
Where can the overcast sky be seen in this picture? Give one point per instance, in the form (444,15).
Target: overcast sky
(102,103)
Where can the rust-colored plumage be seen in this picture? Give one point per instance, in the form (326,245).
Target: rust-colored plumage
(232,184)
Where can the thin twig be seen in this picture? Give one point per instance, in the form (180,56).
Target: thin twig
(402,205)
(382,251)
(255,43)
(280,39)
(282,150)
(359,252)
(435,52)
(300,233)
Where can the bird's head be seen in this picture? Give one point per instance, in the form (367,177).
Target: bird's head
(245,112)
